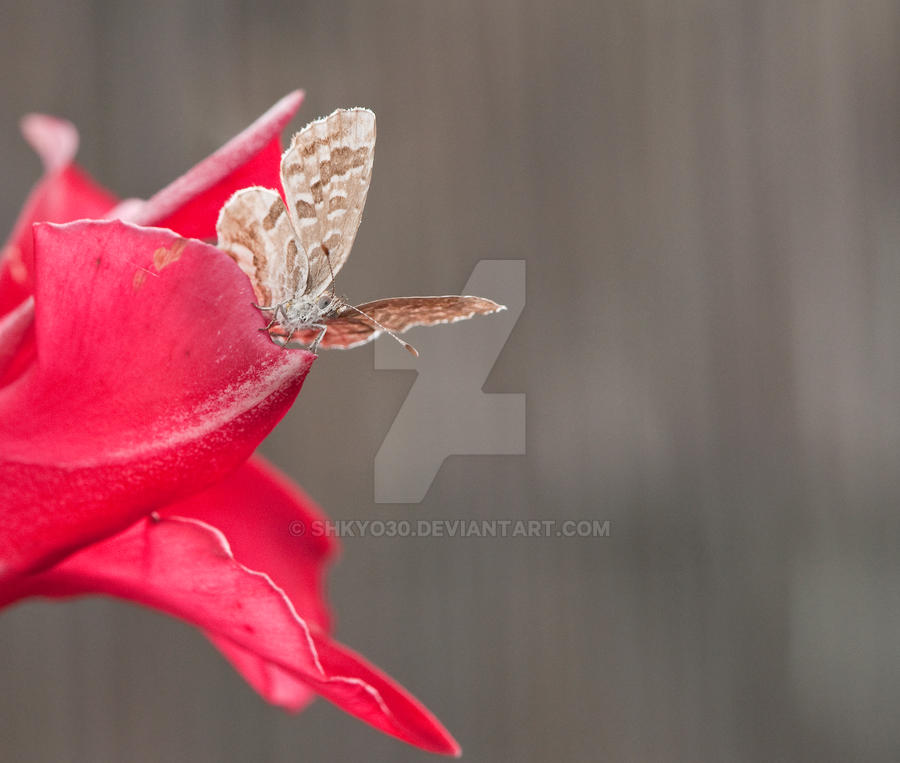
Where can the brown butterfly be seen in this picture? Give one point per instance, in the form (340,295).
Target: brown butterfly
(293,252)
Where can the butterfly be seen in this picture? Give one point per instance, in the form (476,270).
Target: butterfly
(293,251)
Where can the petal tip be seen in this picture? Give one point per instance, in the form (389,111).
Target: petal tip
(292,100)
(54,140)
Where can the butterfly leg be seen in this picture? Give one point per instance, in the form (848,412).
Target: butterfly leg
(282,341)
(275,309)
(315,345)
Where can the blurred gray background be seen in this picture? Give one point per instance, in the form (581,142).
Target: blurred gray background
(706,195)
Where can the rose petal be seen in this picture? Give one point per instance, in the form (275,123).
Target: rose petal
(150,382)
(184,567)
(54,140)
(64,193)
(16,341)
(188,205)
(191,204)
(271,525)
(359,688)
(276,685)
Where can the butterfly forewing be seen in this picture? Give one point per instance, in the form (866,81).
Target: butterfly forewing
(326,174)
(255,229)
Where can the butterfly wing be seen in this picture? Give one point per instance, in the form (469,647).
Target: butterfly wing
(255,229)
(326,174)
(401,313)
(343,333)
(398,314)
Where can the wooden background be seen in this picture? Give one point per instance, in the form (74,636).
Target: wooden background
(707,198)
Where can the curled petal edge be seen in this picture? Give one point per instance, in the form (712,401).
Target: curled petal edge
(185,567)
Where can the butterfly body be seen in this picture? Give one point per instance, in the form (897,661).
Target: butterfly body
(292,251)
(302,313)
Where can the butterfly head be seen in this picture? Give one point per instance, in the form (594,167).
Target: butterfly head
(326,303)
(303,310)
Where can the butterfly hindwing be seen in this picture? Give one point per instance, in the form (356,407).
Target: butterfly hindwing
(398,314)
(343,333)
(401,313)
(326,174)
(255,229)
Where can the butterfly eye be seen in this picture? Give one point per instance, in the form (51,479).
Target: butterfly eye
(324,302)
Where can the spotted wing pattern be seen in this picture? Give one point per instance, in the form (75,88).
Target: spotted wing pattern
(291,252)
(326,174)
(351,329)
(255,229)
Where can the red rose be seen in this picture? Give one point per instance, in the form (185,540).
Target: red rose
(134,386)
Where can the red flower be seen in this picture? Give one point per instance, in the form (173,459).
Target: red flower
(134,384)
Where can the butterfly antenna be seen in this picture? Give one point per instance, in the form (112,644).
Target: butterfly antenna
(331,269)
(409,348)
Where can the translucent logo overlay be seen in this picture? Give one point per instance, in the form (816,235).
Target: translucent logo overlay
(446,413)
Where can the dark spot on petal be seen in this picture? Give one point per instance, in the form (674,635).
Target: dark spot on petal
(163,257)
